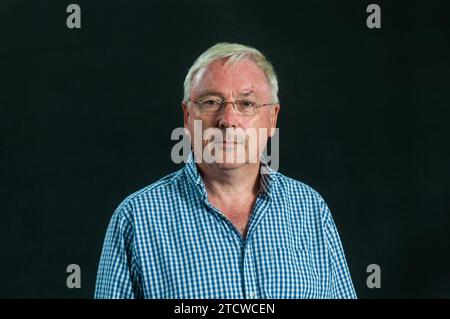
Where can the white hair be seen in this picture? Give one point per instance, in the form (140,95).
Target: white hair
(233,52)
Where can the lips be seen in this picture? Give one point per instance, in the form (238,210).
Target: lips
(223,142)
(229,143)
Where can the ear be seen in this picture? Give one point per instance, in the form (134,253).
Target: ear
(186,113)
(273,118)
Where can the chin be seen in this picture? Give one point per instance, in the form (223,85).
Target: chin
(228,166)
(228,157)
(233,162)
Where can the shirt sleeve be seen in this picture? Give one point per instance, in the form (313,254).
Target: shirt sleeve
(118,275)
(341,281)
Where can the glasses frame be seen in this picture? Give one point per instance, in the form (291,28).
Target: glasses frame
(224,103)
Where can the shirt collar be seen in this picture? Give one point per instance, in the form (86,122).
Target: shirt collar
(268,176)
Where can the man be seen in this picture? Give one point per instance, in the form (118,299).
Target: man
(226,225)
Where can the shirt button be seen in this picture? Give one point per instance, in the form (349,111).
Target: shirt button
(252,294)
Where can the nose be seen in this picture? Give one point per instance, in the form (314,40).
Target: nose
(228,116)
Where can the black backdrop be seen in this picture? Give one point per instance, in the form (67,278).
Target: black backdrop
(86,117)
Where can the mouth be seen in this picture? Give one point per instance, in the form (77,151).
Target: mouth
(228,143)
(224,142)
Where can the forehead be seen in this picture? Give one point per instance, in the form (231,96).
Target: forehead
(237,77)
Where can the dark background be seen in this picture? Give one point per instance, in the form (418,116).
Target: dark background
(86,117)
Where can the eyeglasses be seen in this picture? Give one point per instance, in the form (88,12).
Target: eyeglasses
(241,107)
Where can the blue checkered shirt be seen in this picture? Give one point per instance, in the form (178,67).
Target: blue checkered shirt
(168,241)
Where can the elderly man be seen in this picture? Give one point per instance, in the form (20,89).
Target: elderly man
(228,225)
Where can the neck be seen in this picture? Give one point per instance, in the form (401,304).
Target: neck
(230,183)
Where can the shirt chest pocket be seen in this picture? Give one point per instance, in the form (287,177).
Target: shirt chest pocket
(291,275)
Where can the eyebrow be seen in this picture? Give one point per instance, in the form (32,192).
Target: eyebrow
(207,93)
(246,93)
(215,93)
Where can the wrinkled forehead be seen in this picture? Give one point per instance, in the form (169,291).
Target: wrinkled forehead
(237,77)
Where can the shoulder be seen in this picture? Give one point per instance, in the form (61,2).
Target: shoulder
(151,195)
(300,194)
(294,187)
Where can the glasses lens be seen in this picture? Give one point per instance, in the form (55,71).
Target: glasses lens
(210,106)
(242,107)
(245,107)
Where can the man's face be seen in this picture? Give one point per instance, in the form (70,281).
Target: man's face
(242,80)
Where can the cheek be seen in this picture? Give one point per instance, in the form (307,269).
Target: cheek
(255,123)
(197,125)
(204,122)
(264,120)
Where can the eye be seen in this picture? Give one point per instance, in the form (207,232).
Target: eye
(247,104)
(211,103)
